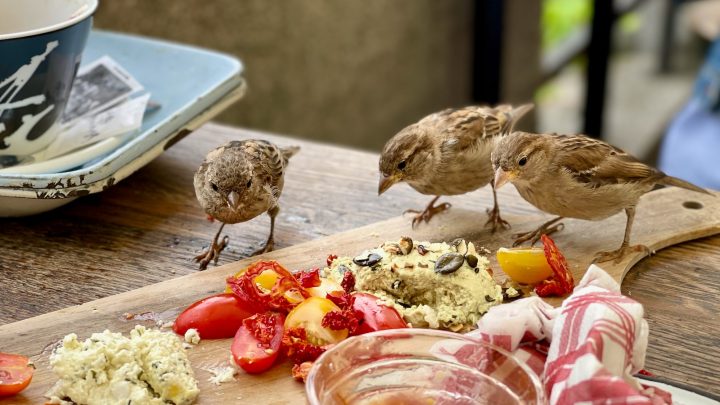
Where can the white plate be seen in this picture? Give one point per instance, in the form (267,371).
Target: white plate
(681,396)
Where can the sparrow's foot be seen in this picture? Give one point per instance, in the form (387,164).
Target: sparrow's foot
(495,220)
(212,254)
(269,245)
(429,212)
(617,255)
(534,236)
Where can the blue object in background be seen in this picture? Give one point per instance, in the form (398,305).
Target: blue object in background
(691,148)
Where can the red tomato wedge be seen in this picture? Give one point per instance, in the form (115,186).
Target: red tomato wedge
(257,343)
(15,373)
(375,316)
(215,317)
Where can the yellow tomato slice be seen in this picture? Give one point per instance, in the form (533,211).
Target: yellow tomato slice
(524,265)
(309,315)
(326,286)
(266,280)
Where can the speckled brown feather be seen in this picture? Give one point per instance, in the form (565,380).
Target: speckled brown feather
(448,152)
(232,167)
(577,176)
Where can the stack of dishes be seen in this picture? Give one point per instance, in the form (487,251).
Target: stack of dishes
(190,85)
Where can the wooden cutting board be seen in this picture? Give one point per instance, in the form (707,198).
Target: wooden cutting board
(664,217)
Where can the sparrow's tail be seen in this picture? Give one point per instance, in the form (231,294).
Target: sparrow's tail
(674,181)
(289,151)
(515,115)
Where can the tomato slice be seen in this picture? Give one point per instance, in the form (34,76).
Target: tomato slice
(267,285)
(309,315)
(257,343)
(215,317)
(375,316)
(15,373)
(524,265)
(326,287)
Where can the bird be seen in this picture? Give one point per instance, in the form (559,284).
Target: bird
(448,153)
(237,182)
(575,176)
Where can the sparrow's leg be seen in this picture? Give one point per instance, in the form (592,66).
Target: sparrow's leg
(213,251)
(270,244)
(534,236)
(625,248)
(494,214)
(428,212)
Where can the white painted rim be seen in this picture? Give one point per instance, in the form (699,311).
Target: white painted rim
(82,13)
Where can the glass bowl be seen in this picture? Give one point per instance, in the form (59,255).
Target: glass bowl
(420,366)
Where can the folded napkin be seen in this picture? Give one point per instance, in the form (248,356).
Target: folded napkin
(586,351)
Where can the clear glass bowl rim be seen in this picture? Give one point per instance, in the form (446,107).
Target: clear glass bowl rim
(312,395)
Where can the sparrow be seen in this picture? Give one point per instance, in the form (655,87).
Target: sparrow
(237,182)
(448,153)
(574,176)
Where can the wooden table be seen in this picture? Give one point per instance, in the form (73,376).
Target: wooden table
(147,228)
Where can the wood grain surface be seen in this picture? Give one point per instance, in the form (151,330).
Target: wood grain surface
(145,230)
(36,335)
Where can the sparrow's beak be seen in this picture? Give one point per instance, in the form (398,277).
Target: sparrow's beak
(502,177)
(233,200)
(386,182)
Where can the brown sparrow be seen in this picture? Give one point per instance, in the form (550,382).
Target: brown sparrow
(448,153)
(576,177)
(237,182)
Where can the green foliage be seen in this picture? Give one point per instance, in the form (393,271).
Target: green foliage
(561,17)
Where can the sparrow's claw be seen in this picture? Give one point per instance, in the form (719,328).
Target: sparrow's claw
(269,245)
(429,212)
(212,254)
(617,255)
(495,220)
(534,236)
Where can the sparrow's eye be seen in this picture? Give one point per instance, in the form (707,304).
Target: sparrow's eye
(522,161)
(214,186)
(401,165)
(249,183)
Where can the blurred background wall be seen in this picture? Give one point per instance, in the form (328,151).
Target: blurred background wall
(351,72)
(354,72)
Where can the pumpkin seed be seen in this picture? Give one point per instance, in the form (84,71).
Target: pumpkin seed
(369,260)
(449,263)
(422,250)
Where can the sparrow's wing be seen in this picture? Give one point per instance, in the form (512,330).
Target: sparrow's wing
(597,163)
(267,159)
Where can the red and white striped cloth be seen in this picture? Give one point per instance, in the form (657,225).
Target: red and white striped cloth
(585,351)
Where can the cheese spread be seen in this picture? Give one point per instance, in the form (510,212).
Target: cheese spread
(432,285)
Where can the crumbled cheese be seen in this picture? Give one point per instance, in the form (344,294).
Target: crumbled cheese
(222,374)
(192,336)
(149,367)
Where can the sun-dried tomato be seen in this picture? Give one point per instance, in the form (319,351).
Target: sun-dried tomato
(309,278)
(339,320)
(298,348)
(330,259)
(262,326)
(561,282)
(348,282)
(341,299)
(283,296)
(300,371)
